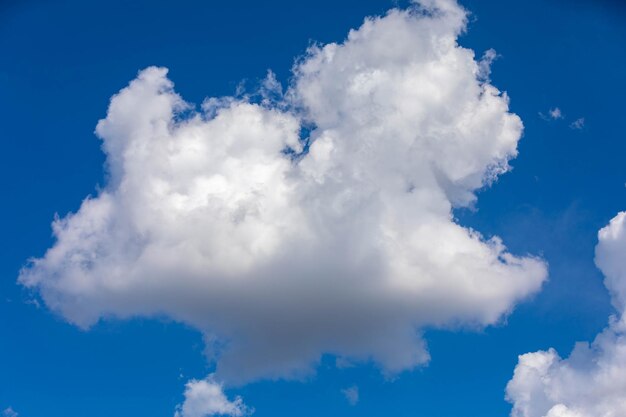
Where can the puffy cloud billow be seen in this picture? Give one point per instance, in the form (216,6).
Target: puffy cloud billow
(592,381)
(280,248)
(206,398)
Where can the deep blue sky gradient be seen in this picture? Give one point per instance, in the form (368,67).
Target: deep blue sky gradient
(60,62)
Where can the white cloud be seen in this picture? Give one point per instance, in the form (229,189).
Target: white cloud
(350,249)
(351,394)
(206,398)
(553,114)
(592,381)
(9,412)
(578,124)
(484,65)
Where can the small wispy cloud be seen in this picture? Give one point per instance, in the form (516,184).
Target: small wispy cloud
(33,302)
(9,412)
(578,124)
(351,394)
(553,114)
(556,113)
(343,363)
(484,65)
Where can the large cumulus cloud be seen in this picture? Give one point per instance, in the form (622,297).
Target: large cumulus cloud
(281,248)
(592,381)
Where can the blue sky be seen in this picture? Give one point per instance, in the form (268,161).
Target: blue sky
(62,61)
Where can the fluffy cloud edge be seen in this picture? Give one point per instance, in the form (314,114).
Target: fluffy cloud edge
(206,398)
(591,382)
(401,136)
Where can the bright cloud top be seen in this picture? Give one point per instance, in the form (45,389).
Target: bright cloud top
(592,381)
(207,398)
(219,219)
